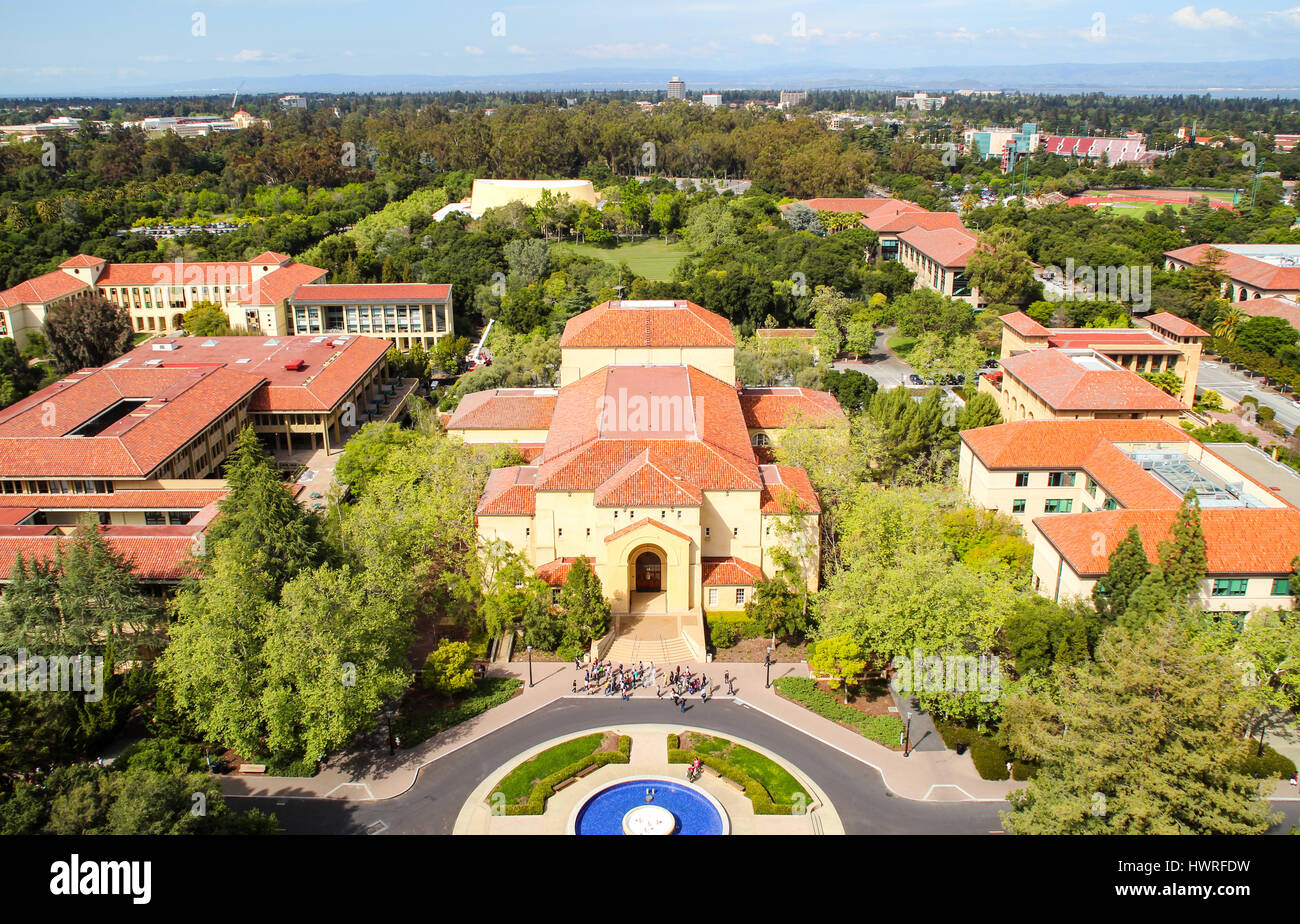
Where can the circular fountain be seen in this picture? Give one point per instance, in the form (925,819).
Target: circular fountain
(649,806)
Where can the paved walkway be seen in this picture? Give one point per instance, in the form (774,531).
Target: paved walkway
(369,773)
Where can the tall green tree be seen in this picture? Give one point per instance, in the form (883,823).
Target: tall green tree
(1182,555)
(87,333)
(1128,568)
(1144,740)
(18,377)
(586,611)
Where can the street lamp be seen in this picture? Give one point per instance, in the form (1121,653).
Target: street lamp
(907,735)
(530,666)
(767,665)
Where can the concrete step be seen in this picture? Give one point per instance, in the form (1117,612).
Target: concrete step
(663,652)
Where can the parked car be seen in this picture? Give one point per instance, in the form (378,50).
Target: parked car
(914,379)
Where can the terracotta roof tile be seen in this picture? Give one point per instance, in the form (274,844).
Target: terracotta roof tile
(949,247)
(648,480)
(1065,385)
(1271,308)
(505,409)
(727,571)
(372,292)
(509,493)
(1243,269)
(41,289)
(780,483)
(648,323)
(1177,326)
(1023,324)
(772,408)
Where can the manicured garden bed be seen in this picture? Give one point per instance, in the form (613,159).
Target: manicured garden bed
(525,789)
(989,757)
(884,729)
(770,788)
(425,714)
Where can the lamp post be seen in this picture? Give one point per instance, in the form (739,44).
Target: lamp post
(767,665)
(530,666)
(907,735)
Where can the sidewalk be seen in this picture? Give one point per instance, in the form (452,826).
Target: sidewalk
(369,773)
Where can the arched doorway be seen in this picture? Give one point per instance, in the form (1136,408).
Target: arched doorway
(649,573)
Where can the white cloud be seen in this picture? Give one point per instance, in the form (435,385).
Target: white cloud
(764,38)
(1213,18)
(473,50)
(249,54)
(518,50)
(1292,15)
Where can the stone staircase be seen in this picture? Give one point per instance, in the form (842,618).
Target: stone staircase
(660,651)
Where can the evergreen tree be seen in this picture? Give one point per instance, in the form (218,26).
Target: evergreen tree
(586,611)
(1149,602)
(1129,567)
(1182,555)
(1144,740)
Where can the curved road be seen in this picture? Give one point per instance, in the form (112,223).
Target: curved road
(430,806)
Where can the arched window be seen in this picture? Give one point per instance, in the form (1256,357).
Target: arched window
(761,441)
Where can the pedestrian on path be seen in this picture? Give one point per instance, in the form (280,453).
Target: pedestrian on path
(731,683)
(1295,778)
(682,703)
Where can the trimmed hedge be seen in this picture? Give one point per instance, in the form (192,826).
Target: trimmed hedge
(545,787)
(727,627)
(989,757)
(885,729)
(491,692)
(755,792)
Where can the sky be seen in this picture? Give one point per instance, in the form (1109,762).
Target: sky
(83,46)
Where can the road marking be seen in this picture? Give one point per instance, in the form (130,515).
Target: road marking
(377,827)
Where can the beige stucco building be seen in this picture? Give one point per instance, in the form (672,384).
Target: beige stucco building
(1076,486)
(646,466)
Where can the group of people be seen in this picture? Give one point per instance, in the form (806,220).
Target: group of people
(604,678)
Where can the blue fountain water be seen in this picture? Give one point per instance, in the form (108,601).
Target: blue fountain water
(603,813)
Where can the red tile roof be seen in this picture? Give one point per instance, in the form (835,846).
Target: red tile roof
(1064,385)
(648,323)
(1271,308)
(780,484)
(375,292)
(1024,325)
(278,285)
(949,247)
(727,571)
(646,523)
(648,480)
(42,289)
(153,558)
(1260,541)
(1243,269)
(35,439)
(270,256)
(83,259)
(1110,339)
(505,409)
(332,366)
(773,408)
(1177,326)
(509,493)
(862,205)
(906,220)
(556,572)
(692,421)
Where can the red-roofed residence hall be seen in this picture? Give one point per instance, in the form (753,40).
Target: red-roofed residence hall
(138,444)
(1251,270)
(1076,486)
(269,295)
(1162,343)
(647,467)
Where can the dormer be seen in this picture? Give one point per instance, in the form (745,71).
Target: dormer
(84,267)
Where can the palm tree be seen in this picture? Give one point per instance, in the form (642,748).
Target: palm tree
(1228,322)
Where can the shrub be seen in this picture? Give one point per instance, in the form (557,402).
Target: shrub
(723,634)
(449,669)
(990,758)
(491,692)
(886,729)
(545,788)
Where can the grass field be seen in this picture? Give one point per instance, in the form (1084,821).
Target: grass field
(1137,202)
(651,259)
(780,785)
(901,345)
(520,781)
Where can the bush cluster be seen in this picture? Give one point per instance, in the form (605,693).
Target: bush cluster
(884,729)
(545,787)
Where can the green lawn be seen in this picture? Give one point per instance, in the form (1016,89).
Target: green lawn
(900,344)
(779,783)
(519,782)
(652,259)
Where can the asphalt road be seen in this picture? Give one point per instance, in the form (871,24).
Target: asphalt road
(432,804)
(882,364)
(1221,378)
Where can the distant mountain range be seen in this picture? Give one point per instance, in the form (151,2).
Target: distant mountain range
(1274,77)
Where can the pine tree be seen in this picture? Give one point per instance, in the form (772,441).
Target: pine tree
(1182,555)
(1150,601)
(1144,740)
(586,611)
(1128,568)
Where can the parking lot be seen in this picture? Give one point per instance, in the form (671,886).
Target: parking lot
(1217,376)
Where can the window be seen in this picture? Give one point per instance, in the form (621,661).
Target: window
(1111,504)
(1022,479)
(154,518)
(735,532)
(1229,587)
(588,532)
(555,595)
(713,596)
(1058,505)
(1018,505)
(707,530)
(1060,479)
(740,596)
(1092,486)
(1281,587)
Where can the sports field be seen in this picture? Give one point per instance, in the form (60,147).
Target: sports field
(1141,201)
(652,259)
